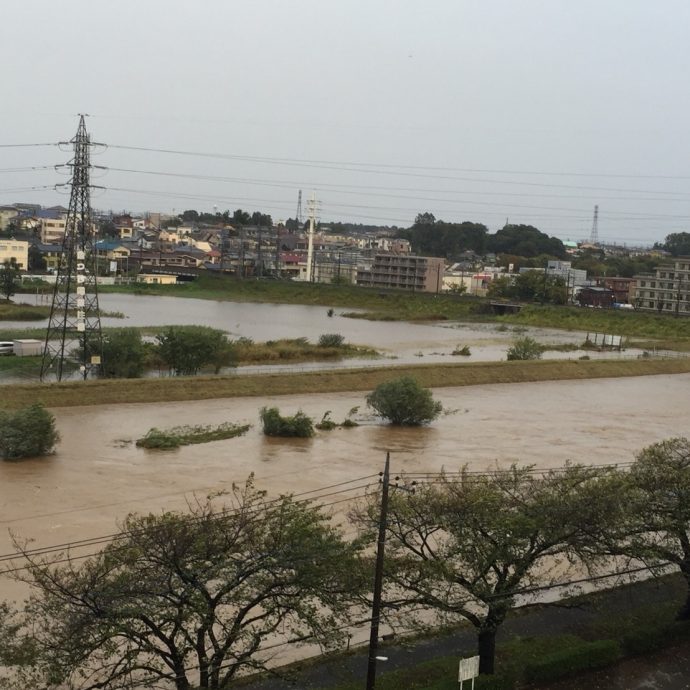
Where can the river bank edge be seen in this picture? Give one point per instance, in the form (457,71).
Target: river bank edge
(116,391)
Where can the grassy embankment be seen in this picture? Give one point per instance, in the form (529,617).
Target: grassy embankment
(435,376)
(625,621)
(664,331)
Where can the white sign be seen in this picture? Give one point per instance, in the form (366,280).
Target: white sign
(469,669)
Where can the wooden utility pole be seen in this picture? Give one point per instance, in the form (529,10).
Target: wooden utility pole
(378,578)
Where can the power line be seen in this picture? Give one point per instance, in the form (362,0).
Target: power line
(627,215)
(371,168)
(18,146)
(102,539)
(390,166)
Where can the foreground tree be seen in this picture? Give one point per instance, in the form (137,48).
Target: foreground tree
(191,599)
(404,402)
(656,524)
(465,547)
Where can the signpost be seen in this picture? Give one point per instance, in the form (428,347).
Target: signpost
(469,670)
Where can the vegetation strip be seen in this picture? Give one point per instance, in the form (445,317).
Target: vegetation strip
(114,391)
(167,439)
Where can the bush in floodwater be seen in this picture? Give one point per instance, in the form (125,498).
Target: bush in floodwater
(524,349)
(27,433)
(331,340)
(326,423)
(274,424)
(404,402)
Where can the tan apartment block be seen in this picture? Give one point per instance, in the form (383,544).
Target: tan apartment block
(405,272)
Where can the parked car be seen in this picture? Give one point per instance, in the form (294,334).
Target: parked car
(6,347)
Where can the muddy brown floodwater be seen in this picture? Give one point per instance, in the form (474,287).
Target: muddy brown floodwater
(99,475)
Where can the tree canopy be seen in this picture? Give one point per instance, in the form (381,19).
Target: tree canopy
(187,349)
(9,278)
(190,599)
(678,243)
(466,546)
(438,238)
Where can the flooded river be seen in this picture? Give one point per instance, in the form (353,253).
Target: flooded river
(98,475)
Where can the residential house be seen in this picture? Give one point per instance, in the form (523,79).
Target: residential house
(7,213)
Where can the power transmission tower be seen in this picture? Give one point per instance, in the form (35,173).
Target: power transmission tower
(74,327)
(594,237)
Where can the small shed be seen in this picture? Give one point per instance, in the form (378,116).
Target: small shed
(28,347)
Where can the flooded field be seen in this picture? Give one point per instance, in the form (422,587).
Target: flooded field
(403,342)
(98,475)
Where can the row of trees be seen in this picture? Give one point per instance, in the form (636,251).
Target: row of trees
(182,350)
(236,218)
(530,286)
(438,238)
(195,599)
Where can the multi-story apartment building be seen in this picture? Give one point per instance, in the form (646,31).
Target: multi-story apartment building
(404,271)
(667,290)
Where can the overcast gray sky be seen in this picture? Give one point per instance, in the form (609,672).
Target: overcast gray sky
(532,110)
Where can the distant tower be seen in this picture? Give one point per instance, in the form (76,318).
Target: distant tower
(594,237)
(74,328)
(298,215)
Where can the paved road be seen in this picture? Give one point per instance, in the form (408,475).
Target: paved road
(552,620)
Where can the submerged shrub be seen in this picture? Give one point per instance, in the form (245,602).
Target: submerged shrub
(404,402)
(168,439)
(28,432)
(331,340)
(274,424)
(524,349)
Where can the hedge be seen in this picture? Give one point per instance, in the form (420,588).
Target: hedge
(583,657)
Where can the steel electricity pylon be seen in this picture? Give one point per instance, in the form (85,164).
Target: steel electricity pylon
(73,339)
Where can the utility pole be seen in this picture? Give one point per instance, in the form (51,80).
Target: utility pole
(310,247)
(378,578)
(259,258)
(74,325)
(240,267)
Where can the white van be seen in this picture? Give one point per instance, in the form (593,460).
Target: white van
(6,347)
